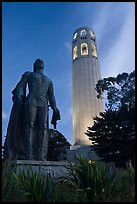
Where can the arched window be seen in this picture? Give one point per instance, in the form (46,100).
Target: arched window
(92,34)
(75,35)
(84,49)
(83,33)
(75,52)
(94,50)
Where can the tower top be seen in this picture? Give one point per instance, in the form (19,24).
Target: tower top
(83,28)
(83,31)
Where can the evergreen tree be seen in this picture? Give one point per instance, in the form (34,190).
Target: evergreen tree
(57,147)
(113,134)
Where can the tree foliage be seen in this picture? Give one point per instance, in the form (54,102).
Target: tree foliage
(113,133)
(57,147)
(119,91)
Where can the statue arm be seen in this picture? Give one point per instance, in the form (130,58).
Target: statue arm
(19,92)
(51,97)
(56,112)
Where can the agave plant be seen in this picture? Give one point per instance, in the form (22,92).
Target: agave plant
(12,190)
(92,177)
(100,182)
(125,185)
(37,187)
(85,181)
(63,193)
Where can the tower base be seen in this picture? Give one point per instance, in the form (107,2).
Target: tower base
(83,150)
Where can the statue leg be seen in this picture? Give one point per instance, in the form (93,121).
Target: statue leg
(42,133)
(31,112)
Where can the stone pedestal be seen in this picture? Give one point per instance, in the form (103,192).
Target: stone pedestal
(54,168)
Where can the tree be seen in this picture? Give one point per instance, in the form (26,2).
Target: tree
(119,91)
(57,147)
(113,134)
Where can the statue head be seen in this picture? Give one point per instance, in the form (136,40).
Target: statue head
(38,65)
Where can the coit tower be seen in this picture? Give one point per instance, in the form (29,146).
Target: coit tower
(85,74)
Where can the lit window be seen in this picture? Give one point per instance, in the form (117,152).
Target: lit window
(75,52)
(94,50)
(84,49)
(83,33)
(75,35)
(92,34)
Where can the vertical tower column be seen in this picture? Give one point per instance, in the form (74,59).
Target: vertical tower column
(85,74)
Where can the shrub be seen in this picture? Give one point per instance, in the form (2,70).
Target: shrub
(98,181)
(12,190)
(37,187)
(85,181)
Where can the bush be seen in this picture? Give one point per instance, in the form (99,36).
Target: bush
(12,190)
(85,181)
(63,193)
(37,187)
(125,185)
(100,182)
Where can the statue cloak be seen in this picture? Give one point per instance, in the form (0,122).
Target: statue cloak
(14,142)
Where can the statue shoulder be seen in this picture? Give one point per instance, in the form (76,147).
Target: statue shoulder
(48,79)
(26,74)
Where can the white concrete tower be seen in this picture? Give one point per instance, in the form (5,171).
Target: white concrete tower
(85,74)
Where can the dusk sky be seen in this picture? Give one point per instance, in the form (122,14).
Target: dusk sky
(44,30)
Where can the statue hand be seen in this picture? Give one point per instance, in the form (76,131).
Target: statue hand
(56,110)
(57,113)
(55,117)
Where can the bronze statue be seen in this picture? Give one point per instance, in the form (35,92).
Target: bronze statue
(27,133)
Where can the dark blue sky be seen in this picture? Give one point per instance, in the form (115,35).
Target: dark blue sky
(44,30)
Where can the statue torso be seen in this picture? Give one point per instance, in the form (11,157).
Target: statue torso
(38,85)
